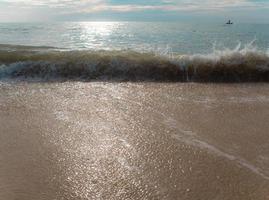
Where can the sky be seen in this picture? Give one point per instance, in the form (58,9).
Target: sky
(134,10)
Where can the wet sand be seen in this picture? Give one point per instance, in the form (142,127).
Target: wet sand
(82,141)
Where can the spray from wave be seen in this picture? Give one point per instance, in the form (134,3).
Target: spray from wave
(240,64)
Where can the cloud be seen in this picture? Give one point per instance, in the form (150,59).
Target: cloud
(52,8)
(176,5)
(138,5)
(67,4)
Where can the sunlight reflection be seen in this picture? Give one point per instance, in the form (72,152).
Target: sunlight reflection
(95,34)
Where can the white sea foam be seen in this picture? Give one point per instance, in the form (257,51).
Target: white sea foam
(243,63)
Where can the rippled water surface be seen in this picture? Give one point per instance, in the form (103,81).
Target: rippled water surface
(186,38)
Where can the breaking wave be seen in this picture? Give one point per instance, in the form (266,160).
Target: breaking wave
(241,64)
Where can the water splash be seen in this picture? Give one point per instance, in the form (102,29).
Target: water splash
(242,63)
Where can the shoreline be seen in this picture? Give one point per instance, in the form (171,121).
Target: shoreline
(86,140)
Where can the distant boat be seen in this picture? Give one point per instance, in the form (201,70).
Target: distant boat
(229,22)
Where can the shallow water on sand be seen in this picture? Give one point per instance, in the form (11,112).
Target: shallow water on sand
(134,141)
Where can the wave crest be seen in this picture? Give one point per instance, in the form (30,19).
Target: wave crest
(236,65)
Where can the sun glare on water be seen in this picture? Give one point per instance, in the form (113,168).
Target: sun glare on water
(96,34)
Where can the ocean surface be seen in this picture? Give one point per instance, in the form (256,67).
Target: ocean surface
(132,110)
(183,38)
(135,51)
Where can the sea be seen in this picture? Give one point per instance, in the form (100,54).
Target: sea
(134,110)
(177,37)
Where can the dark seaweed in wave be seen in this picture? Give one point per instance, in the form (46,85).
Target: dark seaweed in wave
(245,65)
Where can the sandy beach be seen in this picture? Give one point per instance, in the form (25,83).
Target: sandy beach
(98,140)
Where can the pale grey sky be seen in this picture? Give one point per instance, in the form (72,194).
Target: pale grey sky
(207,10)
